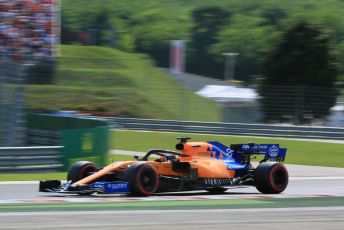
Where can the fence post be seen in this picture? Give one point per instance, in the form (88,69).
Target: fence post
(300,104)
(183,113)
(12,103)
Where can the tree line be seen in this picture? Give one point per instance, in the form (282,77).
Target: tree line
(279,43)
(209,27)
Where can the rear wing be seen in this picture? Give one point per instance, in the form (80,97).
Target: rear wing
(272,152)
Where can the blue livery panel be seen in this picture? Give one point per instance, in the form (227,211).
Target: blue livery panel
(232,156)
(227,155)
(113,187)
(222,152)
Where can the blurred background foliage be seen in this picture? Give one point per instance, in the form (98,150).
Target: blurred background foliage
(116,83)
(210,28)
(303,58)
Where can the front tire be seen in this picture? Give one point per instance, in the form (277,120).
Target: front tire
(143,179)
(271,178)
(80,170)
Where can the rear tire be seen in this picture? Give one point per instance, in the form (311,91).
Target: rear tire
(143,179)
(80,170)
(271,178)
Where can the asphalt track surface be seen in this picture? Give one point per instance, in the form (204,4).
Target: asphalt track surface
(305,181)
(272,218)
(298,187)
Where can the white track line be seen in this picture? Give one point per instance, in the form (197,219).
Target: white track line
(316,178)
(18,182)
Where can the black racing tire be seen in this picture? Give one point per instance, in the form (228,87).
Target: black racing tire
(143,179)
(271,177)
(217,190)
(80,170)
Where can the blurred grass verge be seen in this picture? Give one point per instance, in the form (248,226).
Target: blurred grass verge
(299,152)
(52,176)
(177,204)
(100,79)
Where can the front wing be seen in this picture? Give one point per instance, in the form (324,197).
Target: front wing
(96,187)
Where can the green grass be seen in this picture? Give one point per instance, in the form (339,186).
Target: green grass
(33,176)
(127,84)
(299,152)
(177,205)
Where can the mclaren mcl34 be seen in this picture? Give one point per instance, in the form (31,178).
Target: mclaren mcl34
(209,166)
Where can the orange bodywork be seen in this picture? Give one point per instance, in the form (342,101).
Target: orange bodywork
(110,168)
(202,156)
(198,154)
(207,168)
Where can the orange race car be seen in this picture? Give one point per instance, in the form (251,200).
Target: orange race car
(209,166)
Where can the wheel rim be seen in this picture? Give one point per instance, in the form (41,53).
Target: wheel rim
(147,180)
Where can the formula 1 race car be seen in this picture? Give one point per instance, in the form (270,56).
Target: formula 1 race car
(209,166)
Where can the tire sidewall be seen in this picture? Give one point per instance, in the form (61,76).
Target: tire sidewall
(134,176)
(264,177)
(276,167)
(79,170)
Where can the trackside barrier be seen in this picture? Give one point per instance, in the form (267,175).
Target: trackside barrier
(90,144)
(45,129)
(229,128)
(78,144)
(30,159)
